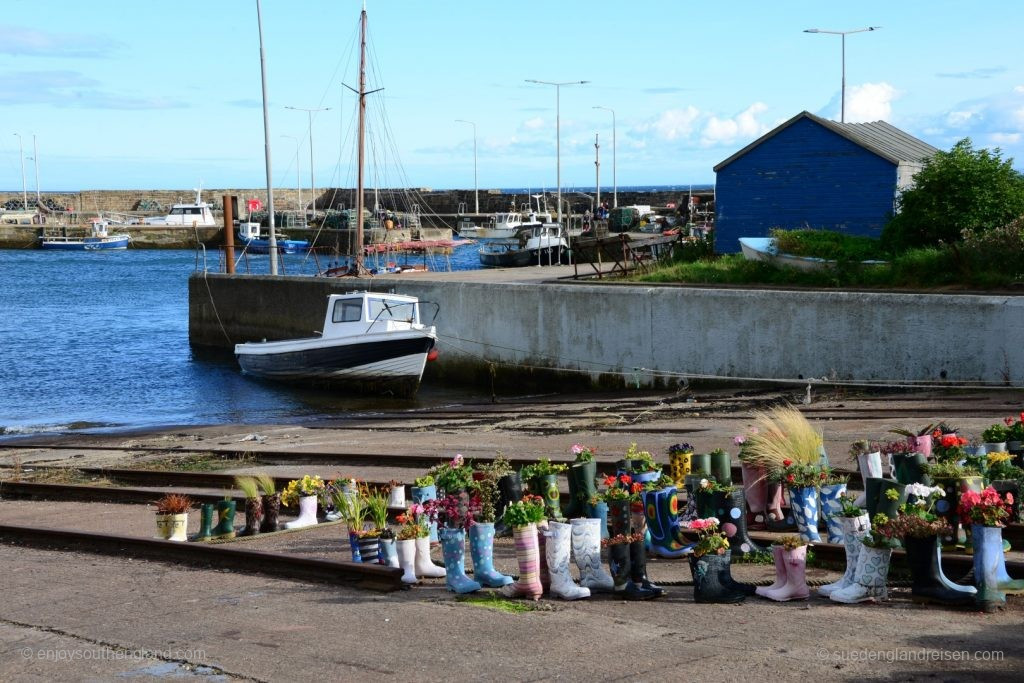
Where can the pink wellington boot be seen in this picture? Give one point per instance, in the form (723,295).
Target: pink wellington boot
(780,573)
(795,562)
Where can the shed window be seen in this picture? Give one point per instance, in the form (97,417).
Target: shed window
(347,311)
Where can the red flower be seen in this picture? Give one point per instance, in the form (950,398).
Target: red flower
(625,479)
(1008,421)
(937,434)
(822,476)
(609,480)
(790,478)
(637,488)
(787,462)
(1009,498)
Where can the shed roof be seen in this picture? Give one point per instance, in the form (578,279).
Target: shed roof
(879,137)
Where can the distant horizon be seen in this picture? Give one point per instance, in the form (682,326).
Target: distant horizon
(674,187)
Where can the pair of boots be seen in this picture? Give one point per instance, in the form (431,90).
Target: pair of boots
(713,582)
(790,575)
(628,560)
(763,498)
(869,577)
(414,559)
(929,584)
(225,528)
(854,529)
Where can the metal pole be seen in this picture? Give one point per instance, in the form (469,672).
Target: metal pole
(272,242)
(597,167)
(35,162)
(312,183)
(842,95)
(558,134)
(298,172)
(615,182)
(476,185)
(24,189)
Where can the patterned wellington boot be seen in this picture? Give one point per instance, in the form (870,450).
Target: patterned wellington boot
(795,588)
(528,584)
(679,465)
(870,465)
(558,548)
(425,567)
(453,547)
(869,580)
(582,487)
(510,490)
(734,524)
(421,494)
(638,554)
(271,512)
(780,573)
(854,529)
(253,514)
(773,494)
(754,480)
(481,547)
(803,502)
(225,519)
(206,512)
(831,505)
(662,511)
(586,548)
(547,487)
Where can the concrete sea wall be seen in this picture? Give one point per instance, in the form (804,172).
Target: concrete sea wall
(638,335)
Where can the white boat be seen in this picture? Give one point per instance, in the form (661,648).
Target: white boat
(251,238)
(195,215)
(766,249)
(371,342)
(542,244)
(97,239)
(504,225)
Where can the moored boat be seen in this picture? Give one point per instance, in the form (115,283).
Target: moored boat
(371,342)
(98,238)
(539,245)
(249,234)
(197,214)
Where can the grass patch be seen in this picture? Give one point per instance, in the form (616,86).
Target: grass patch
(760,557)
(197,462)
(65,475)
(828,244)
(494,601)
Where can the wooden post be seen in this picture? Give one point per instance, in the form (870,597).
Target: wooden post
(229,234)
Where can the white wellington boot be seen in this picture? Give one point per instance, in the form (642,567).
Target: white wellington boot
(557,549)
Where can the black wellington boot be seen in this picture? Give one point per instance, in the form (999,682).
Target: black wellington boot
(712,582)
(638,554)
(510,490)
(735,521)
(929,585)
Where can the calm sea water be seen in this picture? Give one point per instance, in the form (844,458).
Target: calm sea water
(97,341)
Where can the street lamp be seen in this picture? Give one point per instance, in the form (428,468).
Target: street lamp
(298,182)
(35,164)
(558,133)
(312,185)
(842,96)
(615,185)
(24,189)
(476,187)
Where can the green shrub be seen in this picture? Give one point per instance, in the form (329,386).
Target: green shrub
(828,244)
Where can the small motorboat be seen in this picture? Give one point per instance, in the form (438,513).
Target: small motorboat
(766,249)
(197,214)
(372,342)
(96,239)
(539,245)
(251,239)
(505,225)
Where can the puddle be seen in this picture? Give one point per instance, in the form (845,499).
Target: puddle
(175,670)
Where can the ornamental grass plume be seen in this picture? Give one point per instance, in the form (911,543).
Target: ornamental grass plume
(783,434)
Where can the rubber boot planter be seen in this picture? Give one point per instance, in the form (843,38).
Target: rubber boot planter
(620,554)
(638,552)
(542,555)
(831,506)
(271,512)
(888,506)
(510,490)
(369,549)
(734,525)
(721,468)
(421,494)
(582,488)
(679,464)
(407,560)
(870,465)
(425,567)
(712,580)
(546,486)
(777,520)
(869,579)
(988,550)
(803,502)
(481,548)
(929,585)
(794,568)
(854,529)
(453,548)
(527,585)
(387,550)
(910,468)
(559,546)
(353,547)
(225,519)
(253,515)
(662,511)
(754,480)
(780,573)
(586,549)
(601,513)
(307,513)
(700,464)
(206,513)
(921,444)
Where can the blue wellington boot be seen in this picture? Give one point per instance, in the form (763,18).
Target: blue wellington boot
(662,511)
(481,548)
(453,548)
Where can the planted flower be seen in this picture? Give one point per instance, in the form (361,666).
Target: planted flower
(710,541)
(529,510)
(300,488)
(987,508)
(582,453)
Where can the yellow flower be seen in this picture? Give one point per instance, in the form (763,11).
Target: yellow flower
(993,458)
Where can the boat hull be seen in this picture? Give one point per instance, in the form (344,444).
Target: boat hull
(765,249)
(373,364)
(87,244)
(261,246)
(517,258)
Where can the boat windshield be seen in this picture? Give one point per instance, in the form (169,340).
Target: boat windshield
(392,309)
(347,311)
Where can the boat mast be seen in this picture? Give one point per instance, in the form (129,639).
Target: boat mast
(272,242)
(358,262)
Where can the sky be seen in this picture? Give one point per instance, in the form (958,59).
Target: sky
(167,95)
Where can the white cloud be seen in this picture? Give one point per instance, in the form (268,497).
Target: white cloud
(536,123)
(674,124)
(1005,138)
(870,102)
(1018,88)
(958,119)
(744,126)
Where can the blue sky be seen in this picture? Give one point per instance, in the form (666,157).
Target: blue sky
(136,95)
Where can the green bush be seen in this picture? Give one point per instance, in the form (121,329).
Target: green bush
(828,244)
(962,189)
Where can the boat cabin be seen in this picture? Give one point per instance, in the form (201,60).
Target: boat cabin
(358,313)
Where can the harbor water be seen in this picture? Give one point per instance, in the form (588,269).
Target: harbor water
(99,341)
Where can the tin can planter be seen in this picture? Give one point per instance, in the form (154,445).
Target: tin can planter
(172,527)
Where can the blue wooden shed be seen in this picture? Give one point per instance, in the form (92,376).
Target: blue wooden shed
(812,172)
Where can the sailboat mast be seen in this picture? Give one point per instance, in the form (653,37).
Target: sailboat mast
(358,262)
(272,243)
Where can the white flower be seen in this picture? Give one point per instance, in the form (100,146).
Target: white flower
(712,519)
(704,483)
(922,491)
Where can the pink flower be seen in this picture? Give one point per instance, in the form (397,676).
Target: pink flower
(739,440)
(577,449)
(457,460)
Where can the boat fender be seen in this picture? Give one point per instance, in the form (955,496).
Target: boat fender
(432,355)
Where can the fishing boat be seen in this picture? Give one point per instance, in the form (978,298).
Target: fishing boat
(539,245)
(249,235)
(98,238)
(371,342)
(505,224)
(197,214)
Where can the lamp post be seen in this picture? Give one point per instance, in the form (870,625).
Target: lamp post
(35,164)
(298,181)
(558,133)
(615,185)
(476,187)
(312,185)
(24,189)
(842,96)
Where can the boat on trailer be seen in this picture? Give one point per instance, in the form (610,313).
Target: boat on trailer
(371,342)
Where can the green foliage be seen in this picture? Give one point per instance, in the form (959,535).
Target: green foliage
(828,244)
(542,468)
(529,510)
(693,249)
(962,189)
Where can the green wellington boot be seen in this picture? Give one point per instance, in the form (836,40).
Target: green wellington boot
(205,522)
(582,487)
(225,519)
(721,467)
